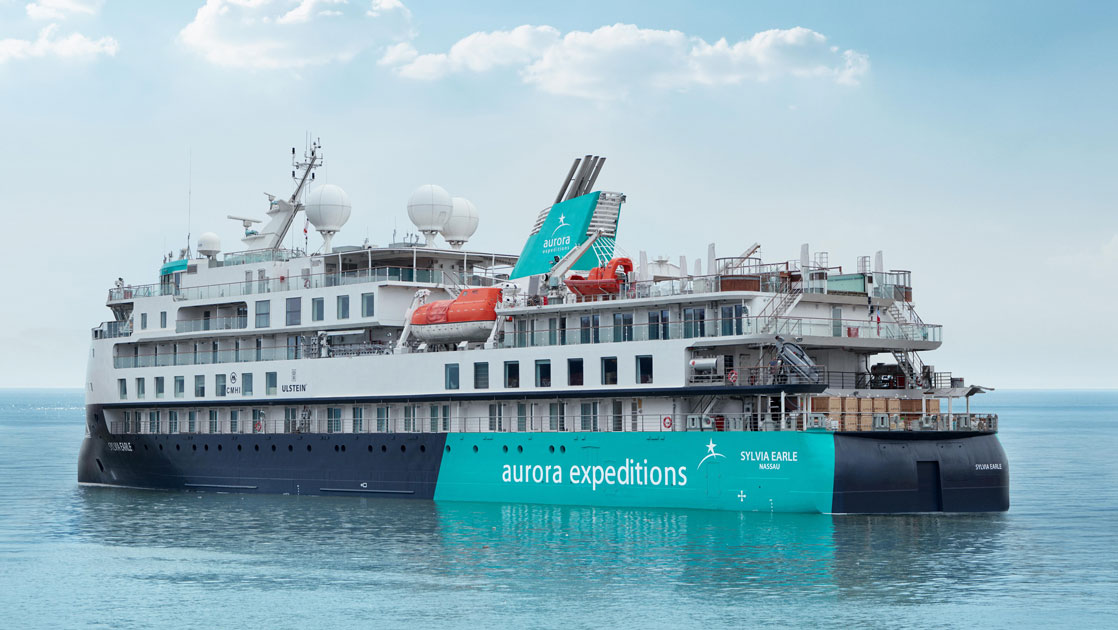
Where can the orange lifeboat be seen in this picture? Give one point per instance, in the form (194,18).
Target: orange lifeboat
(468,317)
(604,280)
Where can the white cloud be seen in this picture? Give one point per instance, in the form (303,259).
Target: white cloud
(74,46)
(61,9)
(613,60)
(273,34)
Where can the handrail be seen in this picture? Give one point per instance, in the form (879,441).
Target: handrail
(317,419)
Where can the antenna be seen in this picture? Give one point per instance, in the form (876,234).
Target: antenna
(189,194)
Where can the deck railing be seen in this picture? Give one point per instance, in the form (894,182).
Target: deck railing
(571,420)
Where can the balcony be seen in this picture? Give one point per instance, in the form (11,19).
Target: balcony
(211,323)
(110,330)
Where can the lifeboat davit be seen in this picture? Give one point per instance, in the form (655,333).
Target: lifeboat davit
(468,317)
(605,280)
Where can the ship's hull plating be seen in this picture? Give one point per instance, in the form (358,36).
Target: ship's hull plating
(817,472)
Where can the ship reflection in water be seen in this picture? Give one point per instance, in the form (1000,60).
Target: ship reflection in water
(463,561)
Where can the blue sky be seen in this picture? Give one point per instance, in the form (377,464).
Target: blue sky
(975,143)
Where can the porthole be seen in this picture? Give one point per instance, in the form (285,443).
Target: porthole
(176,447)
(551,449)
(384,448)
(308,448)
(219,447)
(562,449)
(193,447)
(336,448)
(145,447)
(238,447)
(206,447)
(520,448)
(273,448)
(403,448)
(505,448)
(290,448)
(422,448)
(475,448)
(256,447)
(160,447)
(370,448)
(448,448)
(343,448)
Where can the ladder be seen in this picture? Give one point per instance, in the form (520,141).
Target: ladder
(778,306)
(913,367)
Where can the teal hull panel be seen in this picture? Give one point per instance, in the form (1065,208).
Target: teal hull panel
(751,471)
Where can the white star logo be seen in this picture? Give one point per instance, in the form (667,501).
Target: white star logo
(710,447)
(562,223)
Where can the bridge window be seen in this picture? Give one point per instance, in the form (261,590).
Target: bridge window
(450,373)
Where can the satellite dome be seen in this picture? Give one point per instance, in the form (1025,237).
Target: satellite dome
(209,244)
(462,222)
(327,208)
(429,209)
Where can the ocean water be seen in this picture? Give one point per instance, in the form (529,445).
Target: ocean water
(73,557)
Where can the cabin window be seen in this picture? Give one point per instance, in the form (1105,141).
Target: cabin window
(318,309)
(512,374)
(263,314)
(521,333)
(622,326)
(556,420)
(450,372)
(732,319)
(163,319)
(383,415)
(219,384)
(584,329)
(618,416)
(246,384)
(213,420)
(521,417)
(290,419)
(589,416)
(446,418)
(574,372)
(333,419)
(609,370)
(293,347)
(191,421)
(433,417)
(140,388)
(552,331)
(199,386)
(153,422)
(234,417)
(180,386)
(143,321)
(259,349)
(495,420)
(122,385)
(410,418)
(172,421)
(213,352)
(658,324)
(358,419)
(294,311)
(694,322)
(270,383)
(543,373)
(644,369)
(258,419)
(159,387)
(237,350)
(481,376)
(343,307)
(367,304)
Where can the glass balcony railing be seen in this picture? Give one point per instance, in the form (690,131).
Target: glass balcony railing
(212,323)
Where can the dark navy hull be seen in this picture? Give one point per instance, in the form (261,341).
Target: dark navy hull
(377,464)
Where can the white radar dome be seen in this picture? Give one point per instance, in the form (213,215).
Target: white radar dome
(429,209)
(462,222)
(327,208)
(209,244)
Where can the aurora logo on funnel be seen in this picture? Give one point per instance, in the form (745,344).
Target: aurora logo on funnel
(710,447)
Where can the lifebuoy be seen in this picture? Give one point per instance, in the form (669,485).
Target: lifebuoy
(307,283)
(667,422)
(257,427)
(732,376)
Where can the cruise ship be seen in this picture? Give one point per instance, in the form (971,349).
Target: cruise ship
(569,373)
